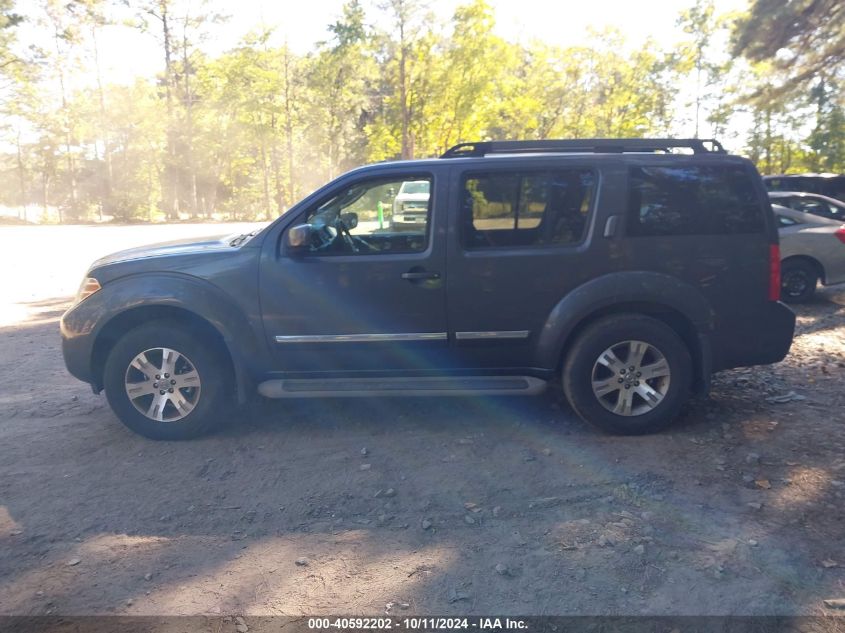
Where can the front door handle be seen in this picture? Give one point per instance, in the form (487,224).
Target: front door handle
(611,227)
(417,275)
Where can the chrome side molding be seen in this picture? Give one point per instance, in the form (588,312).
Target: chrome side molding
(363,338)
(500,334)
(407,336)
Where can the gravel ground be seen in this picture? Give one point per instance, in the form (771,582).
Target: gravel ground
(448,506)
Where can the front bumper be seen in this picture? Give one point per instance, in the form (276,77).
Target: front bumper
(78,344)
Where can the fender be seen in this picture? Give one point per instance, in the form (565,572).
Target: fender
(633,287)
(86,321)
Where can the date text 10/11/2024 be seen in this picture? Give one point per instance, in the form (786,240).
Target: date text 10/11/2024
(418,624)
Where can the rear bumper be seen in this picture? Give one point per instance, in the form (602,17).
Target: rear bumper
(762,337)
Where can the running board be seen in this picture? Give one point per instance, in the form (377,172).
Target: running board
(425,386)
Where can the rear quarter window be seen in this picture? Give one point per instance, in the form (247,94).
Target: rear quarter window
(693,200)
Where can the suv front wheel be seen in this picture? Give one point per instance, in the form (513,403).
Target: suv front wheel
(166,383)
(628,374)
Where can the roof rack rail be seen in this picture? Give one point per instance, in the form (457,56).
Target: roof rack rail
(585,146)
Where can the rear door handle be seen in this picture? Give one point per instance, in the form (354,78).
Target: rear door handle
(417,275)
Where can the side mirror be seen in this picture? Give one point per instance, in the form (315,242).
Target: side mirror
(298,239)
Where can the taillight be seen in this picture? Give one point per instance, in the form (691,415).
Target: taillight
(840,234)
(774,272)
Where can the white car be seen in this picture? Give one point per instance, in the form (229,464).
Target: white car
(812,249)
(410,207)
(814,203)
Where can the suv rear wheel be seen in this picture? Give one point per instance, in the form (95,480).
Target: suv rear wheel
(628,374)
(165,383)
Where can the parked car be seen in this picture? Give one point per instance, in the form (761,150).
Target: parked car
(830,185)
(410,206)
(810,203)
(625,271)
(812,249)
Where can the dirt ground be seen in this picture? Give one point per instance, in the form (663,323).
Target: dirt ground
(447,506)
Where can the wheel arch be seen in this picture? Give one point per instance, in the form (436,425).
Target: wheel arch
(128,302)
(665,298)
(131,318)
(680,324)
(809,259)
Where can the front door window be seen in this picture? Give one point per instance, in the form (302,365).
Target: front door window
(384,216)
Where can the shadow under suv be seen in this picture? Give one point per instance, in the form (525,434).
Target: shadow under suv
(620,267)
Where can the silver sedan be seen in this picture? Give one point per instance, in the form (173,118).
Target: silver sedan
(813,203)
(812,249)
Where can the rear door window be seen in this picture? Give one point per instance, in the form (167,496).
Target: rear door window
(693,200)
(528,208)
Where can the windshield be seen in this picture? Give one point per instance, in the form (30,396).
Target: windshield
(415,187)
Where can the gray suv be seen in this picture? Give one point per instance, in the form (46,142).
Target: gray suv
(622,268)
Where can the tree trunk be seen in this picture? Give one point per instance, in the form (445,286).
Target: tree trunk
(105,194)
(278,185)
(71,165)
(768,146)
(21,177)
(265,179)
(698,63)
(407,150)
(172,177)
(189,124)
(289,128)
(150,189)
(45,192)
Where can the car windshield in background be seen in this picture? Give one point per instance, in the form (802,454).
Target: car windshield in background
(811,203)
(416,187)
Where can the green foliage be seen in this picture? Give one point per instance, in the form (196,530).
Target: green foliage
(9,21)
(797,53)
(243,135)
(804,38)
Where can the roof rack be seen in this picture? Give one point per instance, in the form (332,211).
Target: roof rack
(585,146)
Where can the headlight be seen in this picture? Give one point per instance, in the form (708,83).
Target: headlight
(88,287)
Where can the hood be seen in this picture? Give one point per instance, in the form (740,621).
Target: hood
(413,197)
(176,247)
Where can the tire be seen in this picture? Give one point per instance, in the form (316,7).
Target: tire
(202,383)
(636,405)
(798,281)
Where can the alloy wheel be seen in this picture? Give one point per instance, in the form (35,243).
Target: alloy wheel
(163,384)
(631,378)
